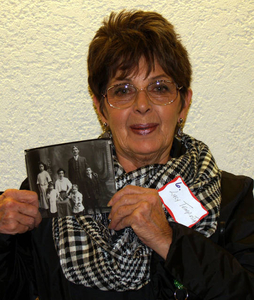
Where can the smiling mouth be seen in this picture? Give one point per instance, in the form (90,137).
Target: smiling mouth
(143,129)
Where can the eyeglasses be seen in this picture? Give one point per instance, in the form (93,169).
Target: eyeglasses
(160,92)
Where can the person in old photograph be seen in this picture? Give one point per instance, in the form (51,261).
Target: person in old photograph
(77,200)
(43,179)
(139,74)
(62,185)
(92,191)
(77,166)
(52,198)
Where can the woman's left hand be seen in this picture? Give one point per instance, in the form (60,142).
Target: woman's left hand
(141,209)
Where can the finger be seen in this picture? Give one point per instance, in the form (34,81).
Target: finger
(155,234)
(22,196)
(118,215)
(131,196)
(12,205)
(13,222)
(141,212)
(128,190)
(130,215)
(16,216)
(26,220)
(27,209)
(125,200)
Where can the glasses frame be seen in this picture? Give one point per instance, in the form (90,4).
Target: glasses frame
(142,89)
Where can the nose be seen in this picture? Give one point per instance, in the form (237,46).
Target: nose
(142,102)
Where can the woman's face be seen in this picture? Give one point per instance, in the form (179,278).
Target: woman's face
(61,174)
(143,133)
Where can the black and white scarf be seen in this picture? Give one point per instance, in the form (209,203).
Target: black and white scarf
(94,257)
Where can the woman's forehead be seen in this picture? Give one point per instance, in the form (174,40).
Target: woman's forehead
(124,69)
(143,69)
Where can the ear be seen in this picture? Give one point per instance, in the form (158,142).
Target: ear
(96,103)
(184,111)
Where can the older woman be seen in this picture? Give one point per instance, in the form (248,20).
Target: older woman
(139,74)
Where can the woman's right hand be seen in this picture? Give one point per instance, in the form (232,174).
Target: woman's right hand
(19,211)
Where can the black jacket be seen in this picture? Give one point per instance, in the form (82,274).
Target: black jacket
(221,267)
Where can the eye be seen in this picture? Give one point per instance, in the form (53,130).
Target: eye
(161,87)
(121,90)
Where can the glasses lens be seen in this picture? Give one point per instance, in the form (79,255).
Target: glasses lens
(162,92)
(121,95)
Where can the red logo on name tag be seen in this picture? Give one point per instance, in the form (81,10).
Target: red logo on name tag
(181,203)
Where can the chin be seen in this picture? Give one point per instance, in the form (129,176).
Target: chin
(144,148)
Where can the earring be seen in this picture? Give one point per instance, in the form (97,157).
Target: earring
(180,128)
(106,131)
(105,127)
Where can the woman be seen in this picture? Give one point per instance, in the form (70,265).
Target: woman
(63,185)
(43,179)
(139,74)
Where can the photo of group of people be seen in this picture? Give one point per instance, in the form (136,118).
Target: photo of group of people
(69,183)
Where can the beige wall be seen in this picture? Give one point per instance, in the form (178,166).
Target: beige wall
(43,78)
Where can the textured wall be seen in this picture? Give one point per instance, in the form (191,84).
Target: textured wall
(43,79)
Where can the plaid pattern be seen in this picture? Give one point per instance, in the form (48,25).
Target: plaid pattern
(93,256)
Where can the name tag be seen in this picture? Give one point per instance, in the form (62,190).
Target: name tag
(180,202)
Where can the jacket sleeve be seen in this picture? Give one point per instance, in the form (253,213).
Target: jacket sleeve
(221,267)
(16,265)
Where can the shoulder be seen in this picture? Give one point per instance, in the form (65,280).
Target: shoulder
(236,222)
(235,187)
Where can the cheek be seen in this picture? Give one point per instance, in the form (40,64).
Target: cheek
(117,120)
(118,126)
(169,121)
(118,131)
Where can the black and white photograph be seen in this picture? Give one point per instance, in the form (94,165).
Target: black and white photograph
(72,178)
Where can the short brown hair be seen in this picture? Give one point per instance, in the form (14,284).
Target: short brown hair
(127,36)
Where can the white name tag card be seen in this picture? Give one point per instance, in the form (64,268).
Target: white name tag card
(180,202)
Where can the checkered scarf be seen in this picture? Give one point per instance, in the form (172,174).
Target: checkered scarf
(92,255)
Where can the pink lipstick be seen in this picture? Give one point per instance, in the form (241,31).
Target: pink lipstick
(143,129)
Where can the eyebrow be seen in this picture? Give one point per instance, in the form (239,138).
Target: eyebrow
(129,79)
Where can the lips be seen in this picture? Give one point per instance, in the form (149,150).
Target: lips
(143,129)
